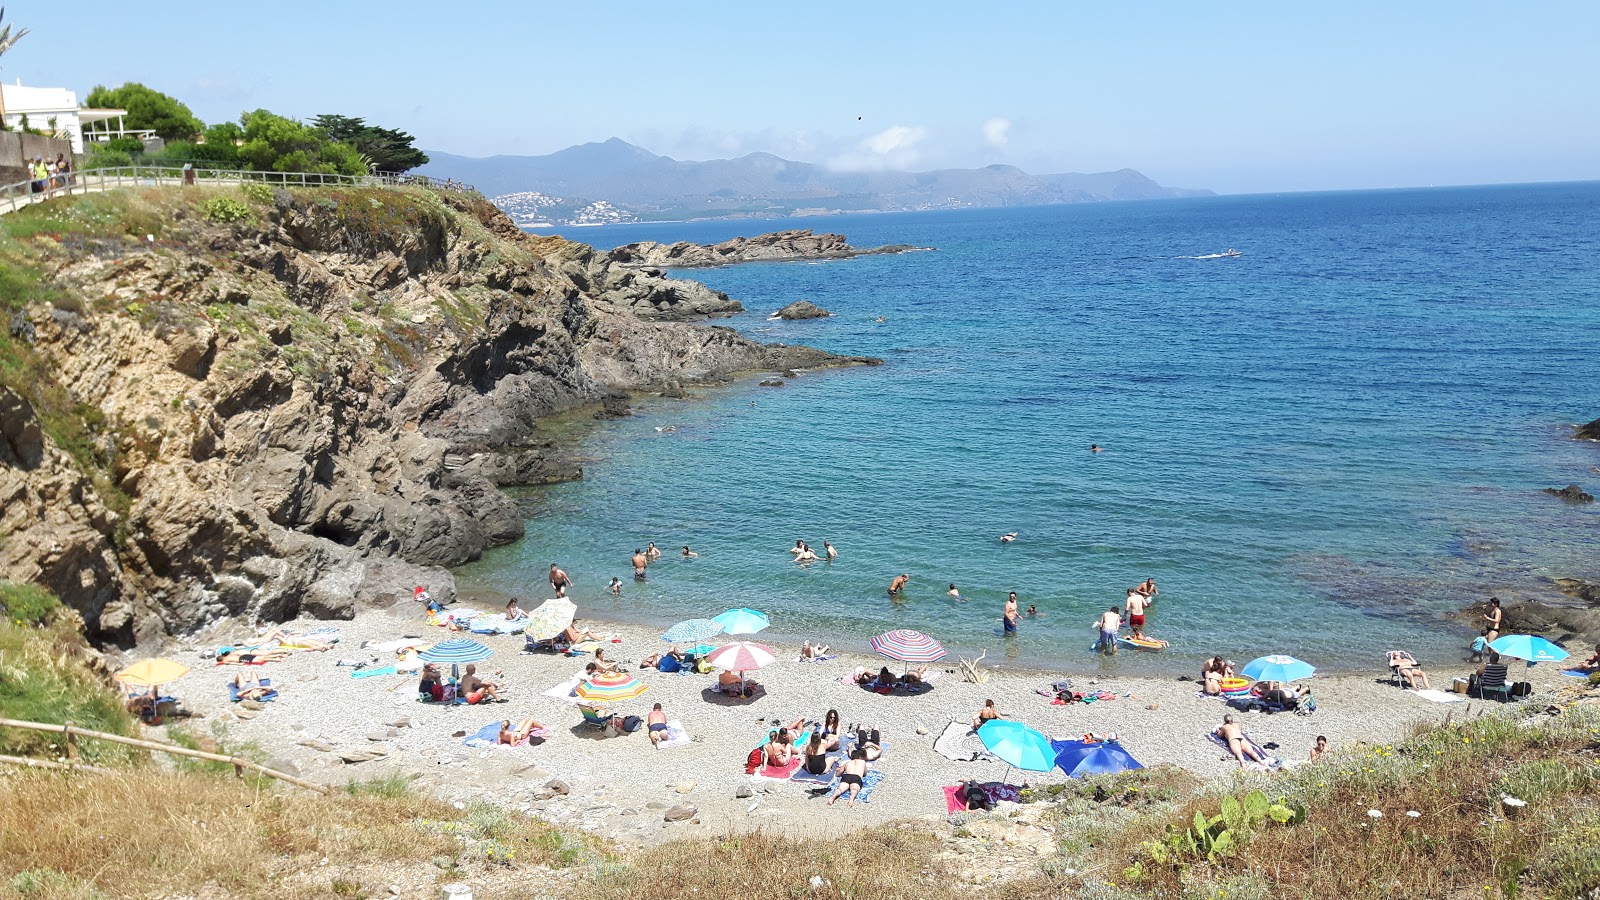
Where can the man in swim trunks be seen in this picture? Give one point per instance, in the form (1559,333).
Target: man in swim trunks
(1148,589)
(1110,623)
(1009,619)
(640,562)
(850,777)
(657,723)
(475,689)
(1230,732)
(559,580)
(1136,604)
(899,584)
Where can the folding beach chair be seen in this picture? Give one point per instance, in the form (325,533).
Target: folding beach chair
(1493,681)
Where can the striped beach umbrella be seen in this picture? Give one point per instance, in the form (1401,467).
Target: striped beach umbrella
(456,650)
(741,656)
(742,621)
(609,687)
(908,646)
(551,618)
(691,630)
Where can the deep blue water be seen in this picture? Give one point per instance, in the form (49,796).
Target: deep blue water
(1321,447)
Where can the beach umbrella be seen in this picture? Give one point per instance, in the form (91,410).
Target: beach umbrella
(692,630)
(1529,647)
(701,649)
(1278,667)
(1017,745)
(609,687)
(151,672)
(742,621)
(908,646)
(551,618)
(741,656)
(456,650)
(1080,759)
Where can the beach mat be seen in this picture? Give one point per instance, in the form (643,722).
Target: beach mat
(1439,696)
(959,743)
(1576,673)
(777,773)
(488,737)
(563,691)
(955,799)
(368,673)
(677,736)
(869,783)
(1272,761)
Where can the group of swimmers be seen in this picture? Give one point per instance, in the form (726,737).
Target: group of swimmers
(1140,598)
(804,554)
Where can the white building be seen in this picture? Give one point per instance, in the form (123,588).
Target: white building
(56,110)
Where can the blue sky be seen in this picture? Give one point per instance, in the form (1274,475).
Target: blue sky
(1237,97)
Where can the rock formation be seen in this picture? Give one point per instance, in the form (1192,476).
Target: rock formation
(777,245)
(1571,493)
(1589,432)
(802,309)
(309,409)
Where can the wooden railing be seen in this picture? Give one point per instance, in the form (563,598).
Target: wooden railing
(25,193)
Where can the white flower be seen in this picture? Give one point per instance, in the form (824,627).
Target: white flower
(1375,813)
(1413,814)
(1511,801)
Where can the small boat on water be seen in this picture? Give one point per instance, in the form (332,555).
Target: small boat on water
(1229,253)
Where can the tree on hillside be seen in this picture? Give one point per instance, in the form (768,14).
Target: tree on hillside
(387,149)
(148,109)
(278,144)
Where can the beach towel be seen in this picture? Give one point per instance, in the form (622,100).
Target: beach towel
(1439,696)
(563,691)
(233,693)
(955,796)
(497,624)
(820,658)
(1576,673)
(780,773)
(869,782)
(1272,762)
(489,736)
(676,735)
(585,647)
(773,732)
(381,670)
(958,742)
(396,646)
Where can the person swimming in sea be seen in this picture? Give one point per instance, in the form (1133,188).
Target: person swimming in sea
(1033,611)
(898,584)
(1096,448)
(1008,537)
(955,594)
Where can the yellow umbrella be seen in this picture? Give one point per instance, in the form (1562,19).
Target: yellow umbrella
(151,672)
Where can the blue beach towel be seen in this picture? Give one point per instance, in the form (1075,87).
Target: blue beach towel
(1575,673)
(268,697)
(368,673)
(869,782)
(487,736)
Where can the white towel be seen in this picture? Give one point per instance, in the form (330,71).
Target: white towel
(395,646)
(563,691)
(1439,696)
(676,735)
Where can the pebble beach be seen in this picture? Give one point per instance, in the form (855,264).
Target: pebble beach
(330,727)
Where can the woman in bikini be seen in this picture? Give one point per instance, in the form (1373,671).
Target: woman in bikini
(780,749)
(988,713)
(514,736)
(817,754)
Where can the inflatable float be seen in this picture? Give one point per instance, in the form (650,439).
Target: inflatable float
(1142,643)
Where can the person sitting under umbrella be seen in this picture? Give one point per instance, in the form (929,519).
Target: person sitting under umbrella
(914,676)
(734,683)
(476,690)
(431,685)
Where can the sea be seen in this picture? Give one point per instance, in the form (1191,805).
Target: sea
(1326,446)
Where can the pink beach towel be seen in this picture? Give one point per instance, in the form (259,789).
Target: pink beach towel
(781,773)
(953,801)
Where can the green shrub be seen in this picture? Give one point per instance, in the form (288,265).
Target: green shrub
(27,604)
(225,210)
(257,191)
(102,157)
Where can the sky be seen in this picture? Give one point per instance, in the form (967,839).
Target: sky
(1242,97)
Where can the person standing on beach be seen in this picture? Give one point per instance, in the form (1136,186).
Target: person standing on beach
(559,580)
(1010,616)
(1136,607)
(1494,616)
(1110,622)
(898,584)
(640,562)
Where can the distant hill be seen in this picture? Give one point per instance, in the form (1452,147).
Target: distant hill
(616,181)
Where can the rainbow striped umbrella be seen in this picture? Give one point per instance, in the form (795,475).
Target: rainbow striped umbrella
(908,646)
(609,687)
(741,656)
(456,650)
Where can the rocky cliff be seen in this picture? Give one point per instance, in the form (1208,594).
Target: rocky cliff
(217,404)
(777,245)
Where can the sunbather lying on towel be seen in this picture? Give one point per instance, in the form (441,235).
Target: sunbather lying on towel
(850,777)
(228,656)
(576,635)
(869,743)
(293,640)
(514,736)
(1233,736)
(249,688)
(809,652)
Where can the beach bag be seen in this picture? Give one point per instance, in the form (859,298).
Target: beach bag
(436,691)
(632,724)
(977,798)
(753,761)
(1521,689)
(1064,686)
(703,666)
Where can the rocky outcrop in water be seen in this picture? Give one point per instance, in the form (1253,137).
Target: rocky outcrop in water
(801,309)
(1571,493)
(778,245)
(1589,432)
(312,408)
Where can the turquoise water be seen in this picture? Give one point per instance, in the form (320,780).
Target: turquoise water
(1322,447)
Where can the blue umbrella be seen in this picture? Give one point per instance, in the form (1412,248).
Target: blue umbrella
(1278,667)
(742,621)
(1079,759)
(1017,745)
(455,650)
(1528,647)
(695,630)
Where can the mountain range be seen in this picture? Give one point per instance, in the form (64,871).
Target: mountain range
(615,181)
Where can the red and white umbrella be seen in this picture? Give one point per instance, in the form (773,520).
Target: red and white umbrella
(908,646)
(741,656)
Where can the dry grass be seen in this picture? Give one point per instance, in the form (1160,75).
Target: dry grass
(887,863)
(146,833)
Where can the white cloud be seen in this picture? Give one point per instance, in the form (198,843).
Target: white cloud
(997,131)
(894,147)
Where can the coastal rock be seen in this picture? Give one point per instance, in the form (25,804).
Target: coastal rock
(686,787)
(1589,432)
(311,417)
(365,754)
(557,786)
(772,382)
(802,309)
(794,244)
(1571,493)
(680,813)
(743,792)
